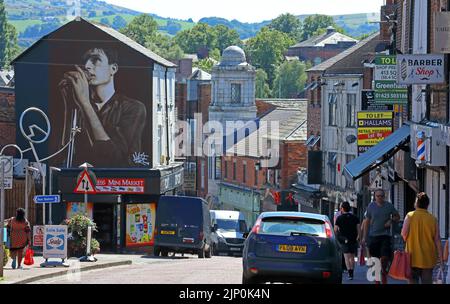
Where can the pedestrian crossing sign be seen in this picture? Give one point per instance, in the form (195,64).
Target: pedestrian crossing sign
(85,184)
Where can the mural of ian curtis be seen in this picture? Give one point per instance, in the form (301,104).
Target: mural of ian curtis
(111,124)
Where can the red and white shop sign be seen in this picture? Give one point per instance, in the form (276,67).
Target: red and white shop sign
(120,185)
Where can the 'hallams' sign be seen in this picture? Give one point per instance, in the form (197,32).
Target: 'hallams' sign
(420,69)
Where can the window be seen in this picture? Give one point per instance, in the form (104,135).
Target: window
(234,170)
(332,103)
(226,169)
(218,166)
(332,160)
(351,110)
(235,93)
(244,172)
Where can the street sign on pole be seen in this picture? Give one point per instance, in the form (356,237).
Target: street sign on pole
(47,199)
(8,166)
(85,184)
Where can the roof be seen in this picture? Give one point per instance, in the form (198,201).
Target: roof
(296,214)
(114,34)
(6,77)
(199,74)
(292,127)
(350,60)
(323,39)
(285,103)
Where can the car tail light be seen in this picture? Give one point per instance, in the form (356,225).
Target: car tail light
(256,227)
(328,230)
(326,274)
(254,270)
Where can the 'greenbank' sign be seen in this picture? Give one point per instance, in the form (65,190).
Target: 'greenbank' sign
(387,91)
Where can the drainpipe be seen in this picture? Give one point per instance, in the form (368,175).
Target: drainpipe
(167,119)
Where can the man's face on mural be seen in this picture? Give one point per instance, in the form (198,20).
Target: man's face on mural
(99,70)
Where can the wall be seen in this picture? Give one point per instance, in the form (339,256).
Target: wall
(294,156)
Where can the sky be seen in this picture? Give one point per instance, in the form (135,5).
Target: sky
(248,10)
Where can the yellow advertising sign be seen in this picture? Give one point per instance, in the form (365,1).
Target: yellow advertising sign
(375,115)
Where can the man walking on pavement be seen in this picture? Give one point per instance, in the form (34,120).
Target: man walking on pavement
(377,232)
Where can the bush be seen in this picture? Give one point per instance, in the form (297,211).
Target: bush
(77,229)
(5,255)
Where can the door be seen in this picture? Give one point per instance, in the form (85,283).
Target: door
(104,217)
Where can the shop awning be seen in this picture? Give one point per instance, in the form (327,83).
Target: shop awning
(378,154)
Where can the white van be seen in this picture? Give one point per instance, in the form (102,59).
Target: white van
(229,227)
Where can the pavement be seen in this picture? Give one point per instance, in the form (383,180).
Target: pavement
(35,272)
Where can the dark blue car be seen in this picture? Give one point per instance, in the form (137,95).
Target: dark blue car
(292,247)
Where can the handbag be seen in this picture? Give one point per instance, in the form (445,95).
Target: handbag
(439,279)
(401,266)
(29,254)
(362,256)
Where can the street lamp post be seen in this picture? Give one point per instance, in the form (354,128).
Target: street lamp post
(50,222)
(27,169)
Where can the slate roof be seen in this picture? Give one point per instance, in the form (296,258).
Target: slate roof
(115,34)
(350,60)
(325,38)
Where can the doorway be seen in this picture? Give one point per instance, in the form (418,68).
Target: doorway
(105,218)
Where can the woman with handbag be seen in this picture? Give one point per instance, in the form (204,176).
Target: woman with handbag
(20,237)
(421,234)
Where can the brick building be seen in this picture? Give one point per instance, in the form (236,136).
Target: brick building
(257,172)
(322,47)
(7,116)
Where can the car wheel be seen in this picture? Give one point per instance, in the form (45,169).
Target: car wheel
(201,253)
(156,251)
(209,253)
(247,280)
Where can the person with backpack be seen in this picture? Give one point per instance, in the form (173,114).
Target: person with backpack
(347,228)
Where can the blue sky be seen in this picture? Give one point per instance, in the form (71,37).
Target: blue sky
(249,10)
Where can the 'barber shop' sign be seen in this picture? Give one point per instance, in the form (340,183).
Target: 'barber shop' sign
(420,69)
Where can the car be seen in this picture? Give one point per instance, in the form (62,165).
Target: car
(183,225)
(292,247)
(230,227)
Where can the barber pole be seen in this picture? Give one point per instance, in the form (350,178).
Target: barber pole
(421,147)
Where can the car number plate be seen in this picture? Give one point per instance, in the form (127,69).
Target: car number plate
(235,249)
(292,248)
(167,232)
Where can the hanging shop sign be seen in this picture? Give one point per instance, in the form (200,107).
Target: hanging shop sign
(387,91)
(368,102)
(120,185)
(373,127)
(420,69)
(442,32)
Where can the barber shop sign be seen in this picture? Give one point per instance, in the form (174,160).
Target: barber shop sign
(420,69)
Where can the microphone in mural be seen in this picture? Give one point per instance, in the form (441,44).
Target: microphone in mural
(112,124)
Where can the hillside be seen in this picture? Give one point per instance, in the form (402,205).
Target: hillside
(36,18)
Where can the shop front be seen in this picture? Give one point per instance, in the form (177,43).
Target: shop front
(237,198)
(125,203)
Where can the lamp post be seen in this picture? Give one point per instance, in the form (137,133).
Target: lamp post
(51,190)
(27,169)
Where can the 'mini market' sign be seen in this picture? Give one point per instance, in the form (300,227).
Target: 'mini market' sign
(420,69)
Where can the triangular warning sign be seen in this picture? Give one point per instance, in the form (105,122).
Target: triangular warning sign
(85,184)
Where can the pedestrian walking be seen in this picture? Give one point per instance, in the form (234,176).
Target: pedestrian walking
(377,231)
(347,229)
(19,229)
(446,259)
(421,234)
(336,215)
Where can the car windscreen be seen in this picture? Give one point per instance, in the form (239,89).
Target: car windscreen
(232,225)
(187,212)
(292,226)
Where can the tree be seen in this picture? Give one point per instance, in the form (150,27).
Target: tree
(8,39)
(289,24)
(119,22)
(262,87)
(105,21)
(266,50)
(141,29)
(200,36)
(290,79)
(164,47)
(225,37)
(313,24)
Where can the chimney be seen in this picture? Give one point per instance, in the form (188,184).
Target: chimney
(330,30)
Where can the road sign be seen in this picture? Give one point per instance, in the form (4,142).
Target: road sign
(377,183)
(38,236)
(47,199)
(85,184)
(8,164)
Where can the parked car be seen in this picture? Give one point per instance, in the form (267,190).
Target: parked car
(292,247)
(183,225)
(229,227)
